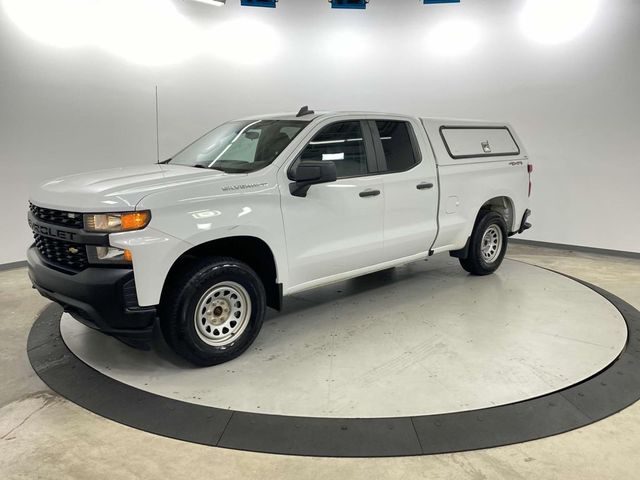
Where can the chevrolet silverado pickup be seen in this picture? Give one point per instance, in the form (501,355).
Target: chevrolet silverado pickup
(264,207)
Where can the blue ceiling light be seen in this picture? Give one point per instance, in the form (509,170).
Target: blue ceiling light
(352,4)
(432,2)
(259,3)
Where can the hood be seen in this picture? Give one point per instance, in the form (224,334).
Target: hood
(116,189)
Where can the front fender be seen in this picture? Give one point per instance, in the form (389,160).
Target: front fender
(154,253)
(181,220)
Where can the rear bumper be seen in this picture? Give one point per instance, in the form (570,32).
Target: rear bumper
(524,225)
(101,298)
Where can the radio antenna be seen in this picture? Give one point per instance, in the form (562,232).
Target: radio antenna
(305,111)
(157,129)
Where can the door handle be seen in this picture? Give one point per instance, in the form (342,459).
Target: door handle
(370,193)
(424,185)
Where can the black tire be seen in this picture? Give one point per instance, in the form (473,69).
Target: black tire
(185,291)
(475,263)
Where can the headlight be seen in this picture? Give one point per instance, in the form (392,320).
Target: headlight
(112,255)
(116,222)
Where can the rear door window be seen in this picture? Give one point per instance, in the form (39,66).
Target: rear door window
(398,146)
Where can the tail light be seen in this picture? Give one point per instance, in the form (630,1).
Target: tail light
(529,171)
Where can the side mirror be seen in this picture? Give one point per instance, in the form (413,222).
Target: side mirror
(310,173)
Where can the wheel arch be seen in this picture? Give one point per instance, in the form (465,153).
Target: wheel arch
(503,205)
(248,249)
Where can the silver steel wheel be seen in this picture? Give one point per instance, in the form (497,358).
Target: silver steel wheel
(491,243)
(222,314)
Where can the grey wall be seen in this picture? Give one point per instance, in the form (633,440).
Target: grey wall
(90,103)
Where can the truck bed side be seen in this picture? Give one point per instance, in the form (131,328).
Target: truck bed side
(471,175)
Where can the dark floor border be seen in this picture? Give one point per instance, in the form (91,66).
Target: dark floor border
(12,265)
(576,248)
(611,390)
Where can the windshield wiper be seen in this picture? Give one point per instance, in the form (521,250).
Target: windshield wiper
(210,168)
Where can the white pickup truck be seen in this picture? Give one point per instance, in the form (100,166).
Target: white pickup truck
(268,206)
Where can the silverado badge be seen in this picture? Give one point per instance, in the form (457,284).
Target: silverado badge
(244,186)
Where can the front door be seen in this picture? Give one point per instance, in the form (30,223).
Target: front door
(338,227)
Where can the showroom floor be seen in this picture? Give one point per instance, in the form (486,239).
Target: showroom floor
(45,436)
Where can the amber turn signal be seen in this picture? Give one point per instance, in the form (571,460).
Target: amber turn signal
(134,220)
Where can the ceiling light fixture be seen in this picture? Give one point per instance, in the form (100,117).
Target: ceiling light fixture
(259,3)
(349,4)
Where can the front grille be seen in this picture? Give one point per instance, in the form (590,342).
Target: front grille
(57,217)
(69,255)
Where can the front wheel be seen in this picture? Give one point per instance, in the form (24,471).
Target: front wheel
(487,245)
(213,312)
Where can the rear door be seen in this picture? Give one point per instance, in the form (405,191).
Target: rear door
(410,180)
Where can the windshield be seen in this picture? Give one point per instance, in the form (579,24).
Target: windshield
(240,147)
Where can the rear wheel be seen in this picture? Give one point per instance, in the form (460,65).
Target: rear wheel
(487,245)
(213,312)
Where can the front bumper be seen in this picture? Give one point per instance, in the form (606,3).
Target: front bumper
(101,298)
